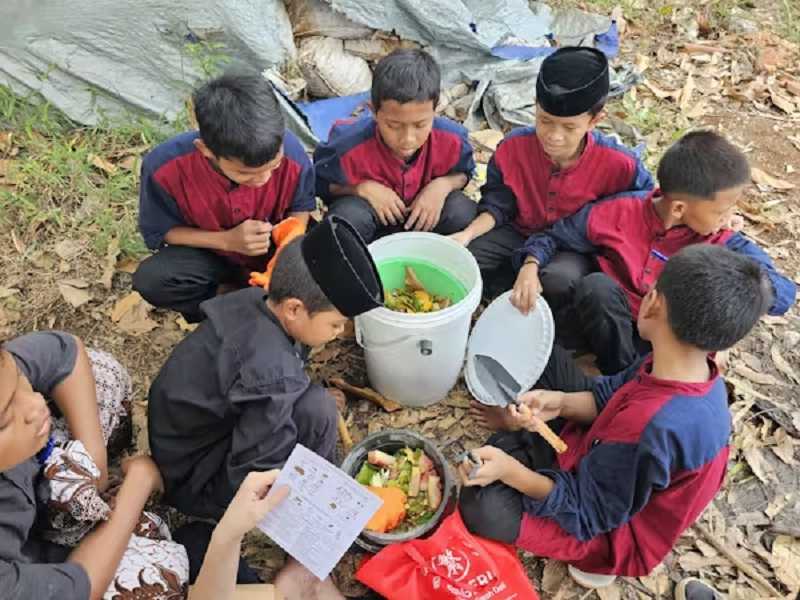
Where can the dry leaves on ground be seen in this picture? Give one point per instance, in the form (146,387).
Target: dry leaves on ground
(75,292)
(131,315)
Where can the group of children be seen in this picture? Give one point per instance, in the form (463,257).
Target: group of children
(653,279)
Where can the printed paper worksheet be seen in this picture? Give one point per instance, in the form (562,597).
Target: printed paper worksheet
(323,515)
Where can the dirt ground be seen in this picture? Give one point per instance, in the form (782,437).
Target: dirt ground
(724,65)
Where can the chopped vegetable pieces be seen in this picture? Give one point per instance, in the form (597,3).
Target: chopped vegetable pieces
(413,297)
(391,512)
(410,472)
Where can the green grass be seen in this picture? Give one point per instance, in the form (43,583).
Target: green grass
(58,192)
(790,20)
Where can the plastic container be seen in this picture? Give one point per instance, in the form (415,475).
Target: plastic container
(390,441)
(508,351)
(415,359)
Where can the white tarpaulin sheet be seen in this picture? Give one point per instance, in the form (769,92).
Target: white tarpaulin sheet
(90,57)
(108,57)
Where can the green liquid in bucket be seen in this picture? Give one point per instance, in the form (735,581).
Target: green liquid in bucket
(437,281)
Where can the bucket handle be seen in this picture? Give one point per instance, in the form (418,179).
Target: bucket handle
(424,344)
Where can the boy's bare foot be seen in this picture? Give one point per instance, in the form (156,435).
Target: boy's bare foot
(296,582)
(494,418)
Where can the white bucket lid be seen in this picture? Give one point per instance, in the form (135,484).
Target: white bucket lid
(508,351)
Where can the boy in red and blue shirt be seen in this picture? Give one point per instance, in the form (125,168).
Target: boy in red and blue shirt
(632,235)
(209,198)
(541,174)
(647,448)
(402,169)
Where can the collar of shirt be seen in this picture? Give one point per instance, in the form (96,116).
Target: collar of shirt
(653,220)
(675,388)
(588,147)
(392,157)
(215,174)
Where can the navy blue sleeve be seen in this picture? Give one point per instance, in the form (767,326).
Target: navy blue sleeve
(613,482)
(497,198)
(784,289)
(466,161)
(158,211)
(328,167)
(570,233)
(642,179)
(606,386)
(303,198)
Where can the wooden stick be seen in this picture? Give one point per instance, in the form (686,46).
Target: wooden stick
(790,531)
(740,564)
(550,436)
(366,394)
(344,434)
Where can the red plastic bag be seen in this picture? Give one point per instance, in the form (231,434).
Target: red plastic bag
(452,564)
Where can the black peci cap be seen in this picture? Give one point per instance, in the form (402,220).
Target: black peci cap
(340,263)
(572,80)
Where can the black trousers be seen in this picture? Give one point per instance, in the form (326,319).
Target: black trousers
(495,511)
(601,308)
(493,252)
(458,212)
(180,278)
(196,537)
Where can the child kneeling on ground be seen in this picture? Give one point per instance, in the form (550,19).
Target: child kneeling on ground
(234,396)
(647,448)
(632,235)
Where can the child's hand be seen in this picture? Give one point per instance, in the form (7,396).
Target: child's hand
(527,288)
(426,210)
(250,238)
(391,210)
(250,504)
(521,417)
(496,466)
(543,404)
(462,237)
(143,469)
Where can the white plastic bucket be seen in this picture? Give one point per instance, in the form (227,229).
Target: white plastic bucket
(415,359)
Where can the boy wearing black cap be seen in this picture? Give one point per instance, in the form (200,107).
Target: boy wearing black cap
(541,174)
(234,396)
(402,169)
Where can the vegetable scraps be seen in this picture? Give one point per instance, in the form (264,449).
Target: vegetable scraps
(412,474)
(413,297)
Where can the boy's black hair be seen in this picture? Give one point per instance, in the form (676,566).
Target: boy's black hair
(239,117)
(714,296)
(406,75)
(701,164)
(292,279)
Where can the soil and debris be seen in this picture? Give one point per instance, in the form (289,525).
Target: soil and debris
(71,247)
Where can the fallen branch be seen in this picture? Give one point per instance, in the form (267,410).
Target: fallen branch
(740,564)
(344,434)
(790,531)
(366,394)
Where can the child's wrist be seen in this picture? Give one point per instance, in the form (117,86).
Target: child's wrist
(224,534)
